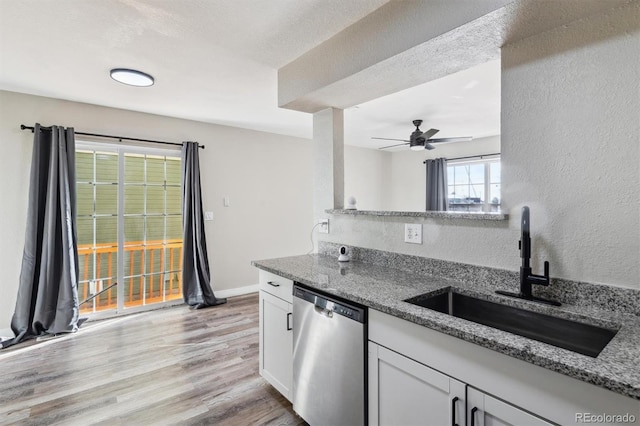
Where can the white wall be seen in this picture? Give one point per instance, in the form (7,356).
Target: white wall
(367,177)
(267,178)
(570,137)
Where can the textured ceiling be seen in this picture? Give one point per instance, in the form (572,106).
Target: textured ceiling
(216,61)
(466,103)
(213,60)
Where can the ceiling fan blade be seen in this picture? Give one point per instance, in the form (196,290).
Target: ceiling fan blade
(430,133)
(390,139)
(392,146)
(460,139)
(429,146)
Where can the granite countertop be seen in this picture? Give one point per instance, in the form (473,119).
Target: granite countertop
(447,215)
(385,289)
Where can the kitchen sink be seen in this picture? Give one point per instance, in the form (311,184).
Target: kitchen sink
(575,336)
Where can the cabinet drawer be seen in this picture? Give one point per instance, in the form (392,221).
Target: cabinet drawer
(276,285)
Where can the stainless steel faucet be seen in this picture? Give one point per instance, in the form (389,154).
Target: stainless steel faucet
(527,278)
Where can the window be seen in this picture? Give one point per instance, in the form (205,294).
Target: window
(474,185)
(129,225)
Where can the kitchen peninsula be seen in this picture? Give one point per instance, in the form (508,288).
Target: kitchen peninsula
(551,382)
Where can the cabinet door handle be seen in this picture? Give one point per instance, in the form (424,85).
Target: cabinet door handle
(453,411)
(288,322)
(473,416)
(273,284)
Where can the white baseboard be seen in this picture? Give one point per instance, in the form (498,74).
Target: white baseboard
(239,291)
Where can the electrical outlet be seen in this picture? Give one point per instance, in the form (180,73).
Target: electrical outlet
(413,233)
(208,215)
(324,226)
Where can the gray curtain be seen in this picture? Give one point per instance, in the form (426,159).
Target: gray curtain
(47,300)
(196,279)
(437,184)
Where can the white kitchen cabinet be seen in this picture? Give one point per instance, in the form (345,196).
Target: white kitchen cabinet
(485,410)
(513,391)
(405,392)
(276,337)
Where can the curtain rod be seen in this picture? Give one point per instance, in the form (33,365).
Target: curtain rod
(471,156)
(120,138)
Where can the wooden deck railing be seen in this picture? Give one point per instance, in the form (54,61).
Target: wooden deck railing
(162,283)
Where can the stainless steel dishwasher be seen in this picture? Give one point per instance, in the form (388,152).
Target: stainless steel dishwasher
(329,338)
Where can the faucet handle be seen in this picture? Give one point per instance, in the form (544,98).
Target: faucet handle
(546,269)
(540,279)
(545,280)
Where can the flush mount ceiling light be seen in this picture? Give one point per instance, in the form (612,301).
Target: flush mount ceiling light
(131,77)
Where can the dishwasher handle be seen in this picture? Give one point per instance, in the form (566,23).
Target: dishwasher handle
(324,311)
(324,304)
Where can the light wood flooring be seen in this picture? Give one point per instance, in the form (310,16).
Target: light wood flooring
(170,366)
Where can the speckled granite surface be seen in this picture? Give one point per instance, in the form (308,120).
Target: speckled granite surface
(379,286)
(452,215)
(569,292)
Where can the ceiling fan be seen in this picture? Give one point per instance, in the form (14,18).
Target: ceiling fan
(420,140)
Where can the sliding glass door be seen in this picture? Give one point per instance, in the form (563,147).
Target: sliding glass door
(97,224)
(129,227)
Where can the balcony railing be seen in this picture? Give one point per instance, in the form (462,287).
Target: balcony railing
(153,280)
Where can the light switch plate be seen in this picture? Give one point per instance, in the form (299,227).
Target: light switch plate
(413,233)
(208,215)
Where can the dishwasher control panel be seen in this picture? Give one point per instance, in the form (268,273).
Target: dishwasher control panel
(325,302)
(346,312)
